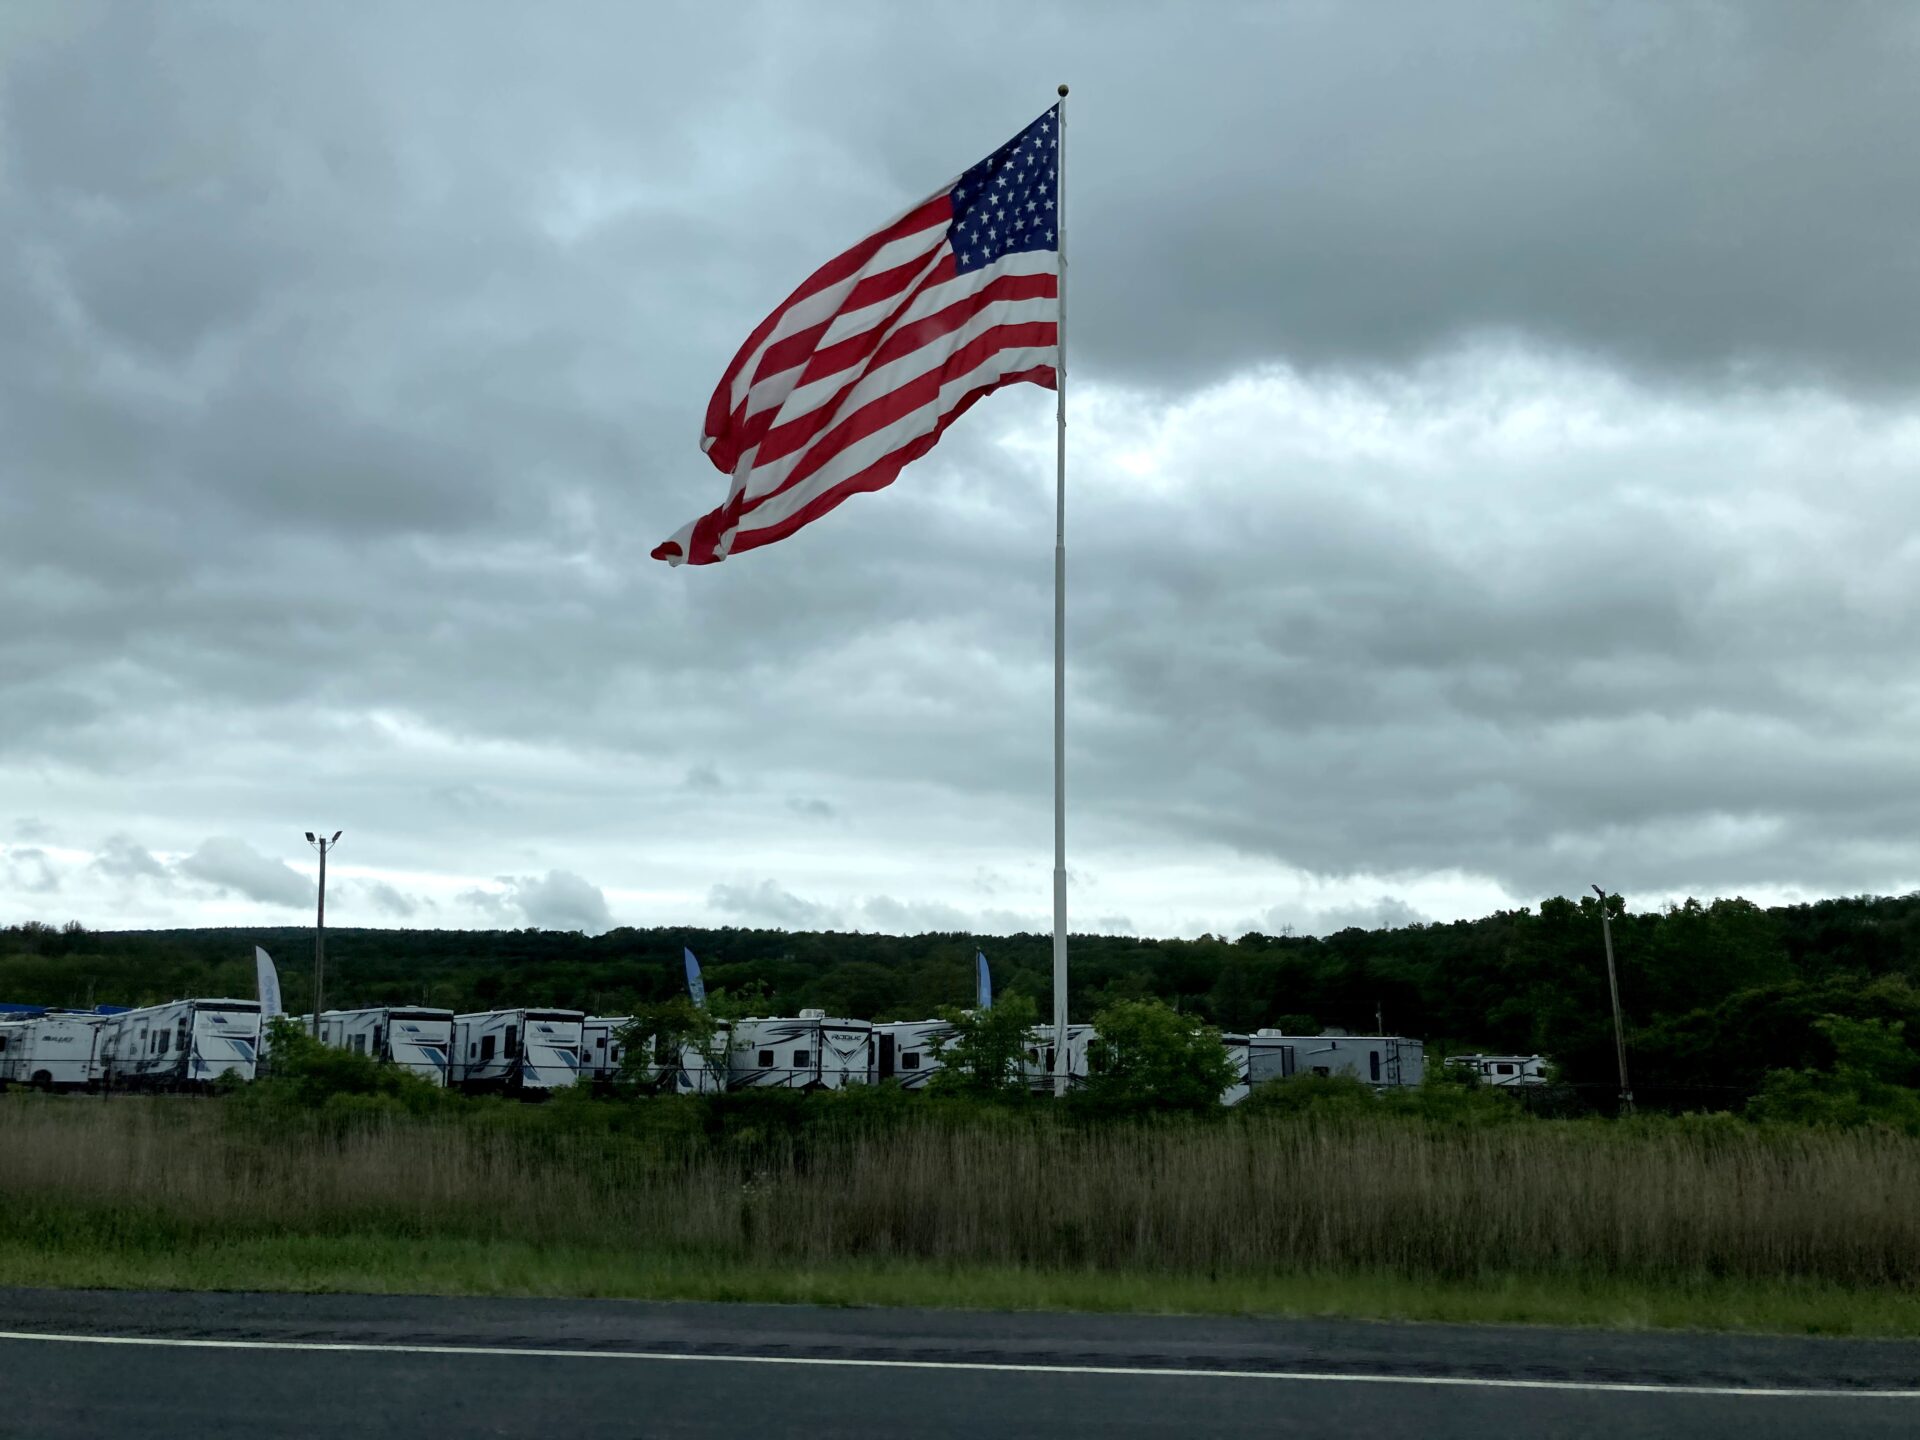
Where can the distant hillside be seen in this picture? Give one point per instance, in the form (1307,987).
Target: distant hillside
(1715,994)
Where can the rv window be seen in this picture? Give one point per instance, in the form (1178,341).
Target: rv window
(165,1037)
(802,1059)
(471,1049)
(601,1043)
(486,1048)
(1373,1064)
(512,1047)
(766,1059)
(910,1060)
(1503,1069)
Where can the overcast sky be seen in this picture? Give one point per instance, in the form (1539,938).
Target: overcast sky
(1494,461)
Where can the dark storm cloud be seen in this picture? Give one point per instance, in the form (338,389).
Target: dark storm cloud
(347,373)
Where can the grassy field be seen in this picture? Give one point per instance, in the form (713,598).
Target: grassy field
(1693,1222)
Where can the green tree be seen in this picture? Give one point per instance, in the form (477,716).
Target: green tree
(303,1072)
(984,1054)
(1146,1055)
(654,1042)
(1871,1058)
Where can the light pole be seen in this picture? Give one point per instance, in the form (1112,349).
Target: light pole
(1613,986)
(320,926)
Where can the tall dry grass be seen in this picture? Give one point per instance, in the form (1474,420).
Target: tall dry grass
(1658,1201)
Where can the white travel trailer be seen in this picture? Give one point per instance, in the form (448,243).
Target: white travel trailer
(414,1037)
(1257,1058)
(12,1028)
(1505,1069)
(905,1051)
(1040,1055)
(182,1044)
(51,1052)
(602,1050)
(810,1052)
(600,1047)
(1385,1060)
(523,1051)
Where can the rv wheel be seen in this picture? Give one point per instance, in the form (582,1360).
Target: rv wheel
(43,1082)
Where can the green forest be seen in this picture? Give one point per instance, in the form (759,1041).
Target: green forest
(1715,995)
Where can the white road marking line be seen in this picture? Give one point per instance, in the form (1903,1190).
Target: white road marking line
(1147,1371)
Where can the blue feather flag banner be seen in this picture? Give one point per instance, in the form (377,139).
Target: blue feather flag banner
(267,981)
(696,987)
(983,981)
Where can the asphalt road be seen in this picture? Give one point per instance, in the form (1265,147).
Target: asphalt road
(96,1363)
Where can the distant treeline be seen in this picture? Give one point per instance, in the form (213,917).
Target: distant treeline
(1715,995)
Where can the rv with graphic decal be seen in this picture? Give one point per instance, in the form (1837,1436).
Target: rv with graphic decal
(415,1038)
(603,1048)
(182,1045)
(1040,1052)
(907,1051)
(810,1052)
(525,1052)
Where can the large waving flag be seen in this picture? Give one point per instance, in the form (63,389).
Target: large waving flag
(861,369)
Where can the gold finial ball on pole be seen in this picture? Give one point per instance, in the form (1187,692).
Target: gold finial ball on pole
(1063,92)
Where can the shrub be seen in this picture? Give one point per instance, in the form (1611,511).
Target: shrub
(304,1074)
(1147,1056)
(983,1056)
(1298,1094)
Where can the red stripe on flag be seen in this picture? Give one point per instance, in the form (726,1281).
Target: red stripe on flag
(937,211)
(915,394)
(775,441)
(878,475)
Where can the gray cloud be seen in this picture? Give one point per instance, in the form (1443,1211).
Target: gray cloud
(764,902)
(704,779)
(558,900)
(120,858)
(392,902)
(234,867)
(1492,457)
(29,870)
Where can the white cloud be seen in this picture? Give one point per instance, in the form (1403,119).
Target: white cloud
(558,900)
(233,867)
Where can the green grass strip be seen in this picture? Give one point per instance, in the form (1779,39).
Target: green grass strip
(376,1264)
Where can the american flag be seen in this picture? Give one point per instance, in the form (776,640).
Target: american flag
(861,369)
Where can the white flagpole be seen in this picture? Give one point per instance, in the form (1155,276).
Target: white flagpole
(1060,1067)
